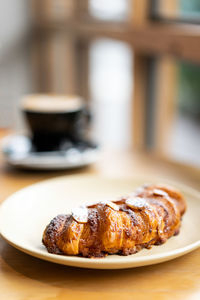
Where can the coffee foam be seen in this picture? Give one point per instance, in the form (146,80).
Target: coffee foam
(51,103)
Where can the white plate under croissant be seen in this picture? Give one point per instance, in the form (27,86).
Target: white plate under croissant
(24,215)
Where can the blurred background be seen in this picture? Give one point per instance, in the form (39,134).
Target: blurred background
(136,62)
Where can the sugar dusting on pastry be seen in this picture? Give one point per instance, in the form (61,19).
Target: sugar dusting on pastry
(159,192)
(111,205)
(136,202)
(80,214)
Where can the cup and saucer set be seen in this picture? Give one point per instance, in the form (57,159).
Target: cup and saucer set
(58,127)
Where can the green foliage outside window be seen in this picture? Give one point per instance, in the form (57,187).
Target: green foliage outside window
(189,88)
(189,7)
(189,74)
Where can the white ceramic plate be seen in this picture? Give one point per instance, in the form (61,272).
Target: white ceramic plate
(24,215)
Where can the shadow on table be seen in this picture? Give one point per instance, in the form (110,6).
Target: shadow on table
(167,274)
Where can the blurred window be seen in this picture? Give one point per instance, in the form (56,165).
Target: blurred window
(116,10)
(183,10)
(181,130)
(58,49)
(15,59)
(110,80)
(185,135)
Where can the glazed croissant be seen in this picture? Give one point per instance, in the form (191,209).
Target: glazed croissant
(149,216)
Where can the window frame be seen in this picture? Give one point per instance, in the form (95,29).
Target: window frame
(148,36)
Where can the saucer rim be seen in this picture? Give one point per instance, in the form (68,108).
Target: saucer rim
(41,161)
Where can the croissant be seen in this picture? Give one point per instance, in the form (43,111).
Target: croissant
(147,217)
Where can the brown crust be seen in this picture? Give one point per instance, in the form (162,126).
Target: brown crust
(52,233)
(124,232)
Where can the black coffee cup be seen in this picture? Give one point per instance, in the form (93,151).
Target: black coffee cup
(55,120)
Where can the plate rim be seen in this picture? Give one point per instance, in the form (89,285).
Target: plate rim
(96,263)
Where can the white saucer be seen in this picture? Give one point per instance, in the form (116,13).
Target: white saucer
(17,152)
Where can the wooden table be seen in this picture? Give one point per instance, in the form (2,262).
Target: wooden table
(25,277)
